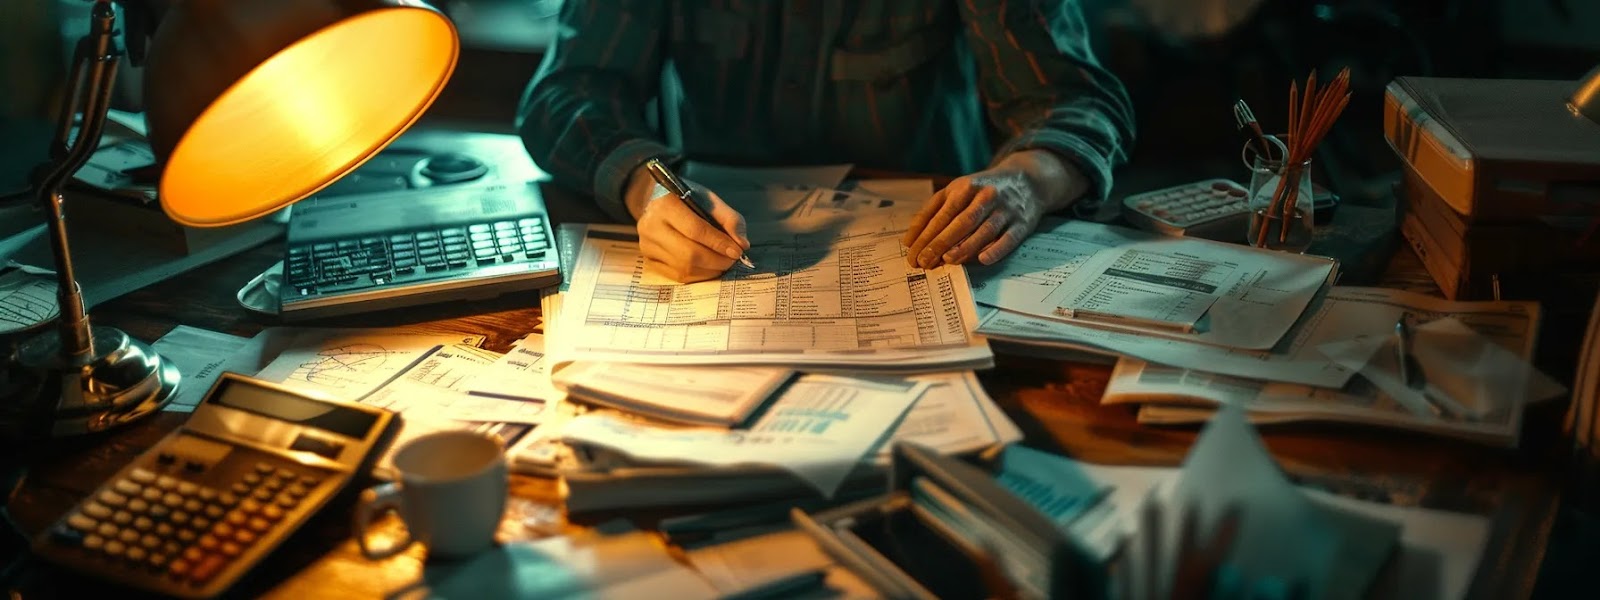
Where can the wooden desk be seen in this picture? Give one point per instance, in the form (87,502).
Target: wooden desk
(1056,404)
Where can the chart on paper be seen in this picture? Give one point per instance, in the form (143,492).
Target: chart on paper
(848,294)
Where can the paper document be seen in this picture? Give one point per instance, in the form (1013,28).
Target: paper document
(348,364)
(681,393)
(201,356)
(1099,275)
(415,399)
(524,372)
(1466,375)
(819,431)
(26,300)
(1345,313)
(1333,557)
(847,301)
(954,416)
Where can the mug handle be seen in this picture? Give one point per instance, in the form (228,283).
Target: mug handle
(376,501)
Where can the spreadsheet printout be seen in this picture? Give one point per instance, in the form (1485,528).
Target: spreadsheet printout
(817,298)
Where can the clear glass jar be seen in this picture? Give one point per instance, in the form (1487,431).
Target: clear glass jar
(1280,203)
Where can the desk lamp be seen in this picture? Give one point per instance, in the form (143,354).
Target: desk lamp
(251,106)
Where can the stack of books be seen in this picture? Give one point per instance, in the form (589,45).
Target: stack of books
(1501,179)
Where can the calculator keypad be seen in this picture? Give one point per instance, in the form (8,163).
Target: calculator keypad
(185,531)
(1192,204)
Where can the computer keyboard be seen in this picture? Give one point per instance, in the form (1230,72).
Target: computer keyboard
(333,267)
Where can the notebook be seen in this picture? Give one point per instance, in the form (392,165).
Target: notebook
(366,252)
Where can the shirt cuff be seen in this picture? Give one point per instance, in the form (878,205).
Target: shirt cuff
(611,176)
(1089,161)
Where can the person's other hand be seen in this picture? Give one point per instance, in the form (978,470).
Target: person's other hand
(674,240)
(984,215)
(987,214)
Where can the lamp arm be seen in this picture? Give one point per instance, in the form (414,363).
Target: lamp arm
(93,72)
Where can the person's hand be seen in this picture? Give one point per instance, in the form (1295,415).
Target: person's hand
(987,214)
(674,240)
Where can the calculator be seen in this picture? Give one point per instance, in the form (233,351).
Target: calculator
(198,510)
(1213,209)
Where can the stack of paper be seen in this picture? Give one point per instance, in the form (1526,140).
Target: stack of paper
(789,381)
(436,381)
(1200,323)
(1474,358)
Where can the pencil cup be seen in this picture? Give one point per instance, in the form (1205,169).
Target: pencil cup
(1279,201)
(450,491)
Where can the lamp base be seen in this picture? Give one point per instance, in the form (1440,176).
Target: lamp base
(122,381)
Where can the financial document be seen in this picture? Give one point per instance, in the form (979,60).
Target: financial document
(819,431)
(1345,313)
(1114,278)
(818,299)
(349,364)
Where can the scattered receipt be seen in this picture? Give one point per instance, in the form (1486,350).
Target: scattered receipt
(820,429)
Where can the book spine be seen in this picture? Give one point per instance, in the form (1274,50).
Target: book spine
(1439,159)
(1451,277)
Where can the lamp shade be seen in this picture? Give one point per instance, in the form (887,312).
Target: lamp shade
(255,104)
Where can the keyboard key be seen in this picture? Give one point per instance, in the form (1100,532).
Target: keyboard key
(143,523)
(481,236)
(114,548)
(137,554)
(108,530)
(126,487)
(128,536)
(208,568)
(110,498)
(81,522)
(187,488)
(208,494)
(478,228)
(96,510)
(150,542)
(530,222)
(93,542)
(122,517)
(504,225)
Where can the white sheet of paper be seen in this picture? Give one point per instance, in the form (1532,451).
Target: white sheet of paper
(348,364)
(524,372)
(953,416)
(1345,313)
(819,430)
(1250,298)
(201,355)
(1333,556)
(416,399)
(849,302)
(1467,372)
(684,393)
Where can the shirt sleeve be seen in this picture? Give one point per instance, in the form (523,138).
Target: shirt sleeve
(1043,87)
(583,117)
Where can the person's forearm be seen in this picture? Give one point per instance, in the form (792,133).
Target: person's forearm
(1059,182)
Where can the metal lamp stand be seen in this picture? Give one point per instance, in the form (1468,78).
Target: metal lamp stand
(82,379)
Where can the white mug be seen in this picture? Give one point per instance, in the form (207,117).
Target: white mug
(450,491)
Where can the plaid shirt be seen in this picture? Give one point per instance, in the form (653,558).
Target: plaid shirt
(901,85)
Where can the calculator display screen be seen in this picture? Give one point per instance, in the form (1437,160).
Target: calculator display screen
(283,406)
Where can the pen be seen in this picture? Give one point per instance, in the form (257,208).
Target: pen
(1402,352)
(676,187)
(1411,372)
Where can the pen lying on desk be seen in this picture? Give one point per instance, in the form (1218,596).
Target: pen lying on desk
(677,187)
(1411,372)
